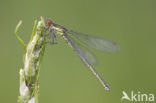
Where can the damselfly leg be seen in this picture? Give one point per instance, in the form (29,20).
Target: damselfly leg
(52,36)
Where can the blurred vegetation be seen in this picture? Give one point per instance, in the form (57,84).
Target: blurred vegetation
(64,78)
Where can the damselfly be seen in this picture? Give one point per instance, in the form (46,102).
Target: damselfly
(76,40)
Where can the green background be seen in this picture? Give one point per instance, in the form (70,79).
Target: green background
(63,77)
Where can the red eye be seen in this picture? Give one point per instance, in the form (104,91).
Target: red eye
(49,22)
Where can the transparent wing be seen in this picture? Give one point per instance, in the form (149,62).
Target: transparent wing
(75,45)
(96,42)
(86,53)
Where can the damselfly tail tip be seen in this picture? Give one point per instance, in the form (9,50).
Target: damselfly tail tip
(105,85)
(107,88)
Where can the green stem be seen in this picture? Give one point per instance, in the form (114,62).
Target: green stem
(29,75)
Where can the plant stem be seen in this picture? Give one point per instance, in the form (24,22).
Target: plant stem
(34,51)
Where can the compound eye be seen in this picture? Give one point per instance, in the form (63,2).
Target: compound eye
(49,22)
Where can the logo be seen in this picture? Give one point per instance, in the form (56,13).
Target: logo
(137,96)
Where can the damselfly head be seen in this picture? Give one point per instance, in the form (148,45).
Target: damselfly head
(49,22)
